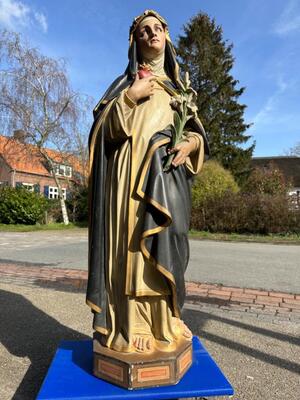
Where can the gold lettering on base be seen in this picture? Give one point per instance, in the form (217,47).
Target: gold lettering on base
(153,373)
(111,370)
(185,360)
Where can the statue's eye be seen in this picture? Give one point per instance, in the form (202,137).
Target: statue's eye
(158,28)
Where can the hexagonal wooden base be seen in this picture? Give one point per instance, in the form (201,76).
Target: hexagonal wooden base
(141,370)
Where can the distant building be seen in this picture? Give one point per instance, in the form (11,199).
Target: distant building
(288,165)
(21,164)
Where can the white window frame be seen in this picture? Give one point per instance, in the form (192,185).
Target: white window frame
(61,170)
(28,186)
(53,192)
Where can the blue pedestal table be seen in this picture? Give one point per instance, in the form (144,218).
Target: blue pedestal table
(70,376)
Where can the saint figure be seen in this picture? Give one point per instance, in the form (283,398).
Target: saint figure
(138,211)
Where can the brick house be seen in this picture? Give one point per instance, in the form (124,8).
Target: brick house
(22,165)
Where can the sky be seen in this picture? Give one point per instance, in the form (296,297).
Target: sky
(92,36)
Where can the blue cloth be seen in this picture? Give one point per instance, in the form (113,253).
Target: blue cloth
(70,376)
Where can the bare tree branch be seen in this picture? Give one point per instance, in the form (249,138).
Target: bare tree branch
(36,96)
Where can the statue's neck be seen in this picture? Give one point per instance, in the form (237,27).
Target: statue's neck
(156,64)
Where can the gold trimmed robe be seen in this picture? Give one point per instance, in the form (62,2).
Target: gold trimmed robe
(138,295)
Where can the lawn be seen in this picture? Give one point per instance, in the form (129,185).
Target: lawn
(40,227)
(236,237)
(193,234)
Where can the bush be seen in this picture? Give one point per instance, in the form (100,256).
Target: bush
(211,183)
(78,205)
(247,213)
(268,181)
(19,206)
(261,207)
(54,213)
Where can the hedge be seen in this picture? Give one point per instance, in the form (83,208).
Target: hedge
(247,213)
(19,206)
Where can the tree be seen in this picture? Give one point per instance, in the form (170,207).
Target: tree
(80,133)
(294,151)
(37,98)
(208,58)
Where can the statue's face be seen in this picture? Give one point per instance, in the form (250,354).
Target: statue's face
(150,37)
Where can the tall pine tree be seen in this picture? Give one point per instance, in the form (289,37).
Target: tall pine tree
(203,52)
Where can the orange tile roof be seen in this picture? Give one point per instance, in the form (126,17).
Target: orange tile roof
(25,157)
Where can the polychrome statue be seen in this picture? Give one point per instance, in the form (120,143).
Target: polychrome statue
(146,144)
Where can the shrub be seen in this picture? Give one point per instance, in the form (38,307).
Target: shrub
(211,183)
(261,207)
(19,206)
(247,213)
(78,205)
(54,213)
(268,181)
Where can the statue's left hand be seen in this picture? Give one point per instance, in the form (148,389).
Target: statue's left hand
(183,150)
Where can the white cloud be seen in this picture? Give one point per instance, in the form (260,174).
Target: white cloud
(41,19)
(15,14)
(289,21)
(264,115)
(269,111)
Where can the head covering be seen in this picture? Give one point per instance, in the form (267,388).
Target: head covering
(148,13)
(171,67)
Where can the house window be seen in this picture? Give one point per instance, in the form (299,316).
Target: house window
(53,193)
(62,170)
(28,186)
(68,171)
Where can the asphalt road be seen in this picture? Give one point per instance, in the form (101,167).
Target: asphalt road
(252,265)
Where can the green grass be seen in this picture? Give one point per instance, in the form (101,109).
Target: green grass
(39,227)
(236,237)
(193,234)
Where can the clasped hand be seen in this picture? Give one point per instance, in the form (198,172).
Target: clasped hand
(182,150)
(141,88)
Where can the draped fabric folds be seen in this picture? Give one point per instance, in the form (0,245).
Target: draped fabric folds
(158,232)
(139,214)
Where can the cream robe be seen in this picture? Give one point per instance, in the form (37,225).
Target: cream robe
(138,295)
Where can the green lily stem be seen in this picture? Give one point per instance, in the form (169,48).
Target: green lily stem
(177,138)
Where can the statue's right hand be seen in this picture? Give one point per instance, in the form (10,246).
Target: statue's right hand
(141,88)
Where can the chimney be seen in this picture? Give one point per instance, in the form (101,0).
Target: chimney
(20,135)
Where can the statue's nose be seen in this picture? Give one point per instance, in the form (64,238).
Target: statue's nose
(153,33)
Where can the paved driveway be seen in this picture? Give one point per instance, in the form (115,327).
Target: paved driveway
(259,358)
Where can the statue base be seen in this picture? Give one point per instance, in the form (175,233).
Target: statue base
(70,376)
(141,370)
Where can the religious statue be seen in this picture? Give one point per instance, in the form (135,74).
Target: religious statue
(145,145)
